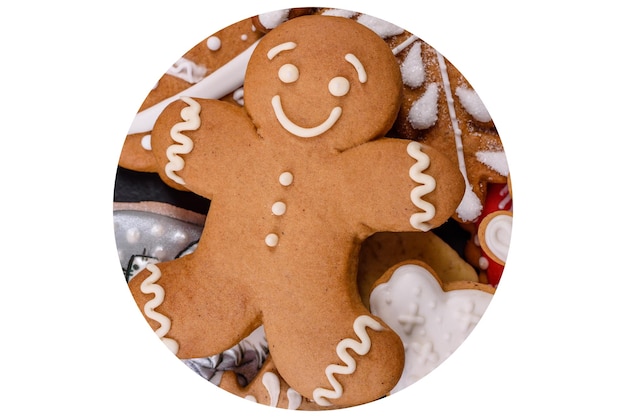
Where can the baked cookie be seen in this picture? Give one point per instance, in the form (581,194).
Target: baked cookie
(297,179)
(440,108)
(431,317)
(488,248)
(383,250)
(443,110)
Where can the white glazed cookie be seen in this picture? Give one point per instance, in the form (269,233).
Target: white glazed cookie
(432,320)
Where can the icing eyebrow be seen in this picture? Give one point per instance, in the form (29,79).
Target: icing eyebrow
(280,48)
(360,70)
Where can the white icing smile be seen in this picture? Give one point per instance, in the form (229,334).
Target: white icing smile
(338,87)
(297,130)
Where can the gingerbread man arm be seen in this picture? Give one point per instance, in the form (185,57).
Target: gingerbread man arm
(192,134)
(402,185)
(136,154)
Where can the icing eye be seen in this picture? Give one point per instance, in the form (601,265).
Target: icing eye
(339,86)
(288,73)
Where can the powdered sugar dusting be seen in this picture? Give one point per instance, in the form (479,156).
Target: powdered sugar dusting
(412,68)
(470,207)
(496,160)
(272,19)
(187,70)
(339,13)
(424,111)
(382,28)
(472,103)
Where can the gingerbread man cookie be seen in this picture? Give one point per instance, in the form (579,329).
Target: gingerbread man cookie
(297,178)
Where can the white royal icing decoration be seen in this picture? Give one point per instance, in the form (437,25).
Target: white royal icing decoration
(471,102)
(321,395)
(427,184)
(216,85)
(149,286)
(183,145)
(339,13)
(187,70)
(272,19)
(424,111)
(294,129)
(272,385)
(279,208)
(271,382)
(496,160)
(339,86)
(470,206)
(271,240)
(288,73)
(285,46)
(294,399)
(382,28)
(431,323)
(285,178)
(412,68)
(358,66)
(498,235)
(146,142)
(214,43)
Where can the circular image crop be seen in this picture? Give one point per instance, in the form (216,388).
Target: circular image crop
(312,208)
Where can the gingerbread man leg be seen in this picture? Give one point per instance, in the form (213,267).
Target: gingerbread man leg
(341,354)
(187,319)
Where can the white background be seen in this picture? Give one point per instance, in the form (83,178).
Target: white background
(74,73)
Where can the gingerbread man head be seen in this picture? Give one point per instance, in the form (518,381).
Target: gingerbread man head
(316,86)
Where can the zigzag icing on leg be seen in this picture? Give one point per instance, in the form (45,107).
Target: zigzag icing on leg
(149,286)
(321,395)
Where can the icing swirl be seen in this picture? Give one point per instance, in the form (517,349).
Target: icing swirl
(495,235)
(149,286)
(183,145)
(321,395)
(416,172)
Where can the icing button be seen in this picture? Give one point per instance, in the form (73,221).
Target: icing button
(146,142)
(279,208)
(214,43)
(285,178)
(271,240)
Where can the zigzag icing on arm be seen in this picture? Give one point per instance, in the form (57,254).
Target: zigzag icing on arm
(184,145)
(321,395)
(427,184)
(149,286)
